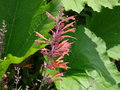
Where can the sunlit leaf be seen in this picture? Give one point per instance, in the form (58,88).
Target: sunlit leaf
(114,52)
(96,5)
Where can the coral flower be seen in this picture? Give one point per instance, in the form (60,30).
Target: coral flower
(59,64)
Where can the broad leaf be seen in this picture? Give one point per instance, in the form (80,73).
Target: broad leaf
(88,54)
(78,5)
(23,21)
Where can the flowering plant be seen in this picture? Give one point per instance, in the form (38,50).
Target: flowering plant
(59,46)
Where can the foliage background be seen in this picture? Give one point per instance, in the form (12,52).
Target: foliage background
(91,58)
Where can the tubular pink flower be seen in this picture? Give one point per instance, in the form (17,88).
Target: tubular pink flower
(68,25)
(70,30)
(54,77)
(57,74)
(50,66)
(62,43)
(62,25)
(58,63)
(66,36)
(49,15)
(40,41)
(69,18)
(41,36)
(45,51)
(64,46)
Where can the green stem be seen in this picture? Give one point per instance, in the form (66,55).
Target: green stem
(42,81)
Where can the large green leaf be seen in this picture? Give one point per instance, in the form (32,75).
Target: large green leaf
(18,17)
(23,18)
(78,5)
(106,25)
(88,55)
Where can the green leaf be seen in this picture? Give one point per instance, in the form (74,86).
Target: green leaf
(23,21)
(83,81)
(78,5)
(3,66)
(114,52)
(106,25)
(74,82)
(88,55)
(24,18)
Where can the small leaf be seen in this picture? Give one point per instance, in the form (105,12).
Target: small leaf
(114,52)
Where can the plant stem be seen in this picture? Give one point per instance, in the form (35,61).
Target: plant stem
(42,81)
(41,85)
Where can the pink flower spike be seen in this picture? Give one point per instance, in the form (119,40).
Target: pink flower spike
(41,36)
(49,15)
(68,25)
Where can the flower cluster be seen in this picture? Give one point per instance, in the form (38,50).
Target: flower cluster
(59,46)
